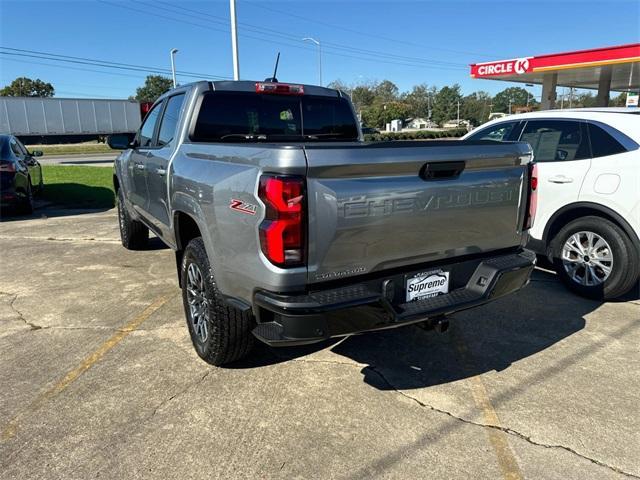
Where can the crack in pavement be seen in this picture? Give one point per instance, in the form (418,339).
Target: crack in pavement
(32,326)
(506,430)
(69,239)
(97,328)
(178,393)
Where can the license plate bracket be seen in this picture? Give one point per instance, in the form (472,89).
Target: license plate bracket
(426,284)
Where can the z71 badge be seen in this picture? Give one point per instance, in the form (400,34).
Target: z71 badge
(243,207)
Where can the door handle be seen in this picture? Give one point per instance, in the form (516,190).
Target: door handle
(560,179)
(160,171)
(140,166)
(441,170)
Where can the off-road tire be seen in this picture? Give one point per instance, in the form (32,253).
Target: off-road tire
(626,262)
(229,328)
(133,234)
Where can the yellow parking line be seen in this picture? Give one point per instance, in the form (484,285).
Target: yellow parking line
(499,441)
(506,460)
(11,428)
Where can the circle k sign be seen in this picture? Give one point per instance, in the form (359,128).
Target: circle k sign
(505,67)
(521,66)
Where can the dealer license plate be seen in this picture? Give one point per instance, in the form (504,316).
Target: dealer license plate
(427,284)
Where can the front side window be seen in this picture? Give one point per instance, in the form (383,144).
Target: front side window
(16,149)
(556,140)
(170,119)
(22,148)
(145,137)
(603,144)
(499,132)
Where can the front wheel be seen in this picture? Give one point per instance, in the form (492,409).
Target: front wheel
(221,333)
(595,258)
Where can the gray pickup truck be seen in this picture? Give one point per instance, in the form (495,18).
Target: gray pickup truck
(288,228)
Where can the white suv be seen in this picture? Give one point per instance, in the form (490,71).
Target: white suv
(588,213)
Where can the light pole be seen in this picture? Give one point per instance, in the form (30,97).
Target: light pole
(305,39)
(173,66)
(234,40)
(570,97)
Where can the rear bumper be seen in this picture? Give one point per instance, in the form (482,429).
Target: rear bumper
(9,197)
(377,304)
(537,246)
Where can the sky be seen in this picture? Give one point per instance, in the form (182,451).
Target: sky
(409,43)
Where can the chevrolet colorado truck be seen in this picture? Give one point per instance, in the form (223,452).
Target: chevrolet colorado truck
(288,228)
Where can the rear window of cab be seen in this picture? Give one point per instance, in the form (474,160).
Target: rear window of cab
(253,117)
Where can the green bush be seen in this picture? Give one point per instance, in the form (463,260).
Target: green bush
(418,135)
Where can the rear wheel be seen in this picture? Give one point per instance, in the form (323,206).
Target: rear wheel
(220,332)
(133,234)
(26,206)
(595,258)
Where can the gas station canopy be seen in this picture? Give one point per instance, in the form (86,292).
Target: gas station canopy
(605,69)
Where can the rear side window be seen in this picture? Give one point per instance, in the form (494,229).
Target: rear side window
(170,119)
(499,132)
(556,140)
(149,126)
(603,144)
(244,116)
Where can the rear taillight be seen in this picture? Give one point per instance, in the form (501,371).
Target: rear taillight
(282,232)
(279,88)
(7,167)
(532,201)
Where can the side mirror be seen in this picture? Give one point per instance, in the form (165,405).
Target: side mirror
(36,153)
(119,141)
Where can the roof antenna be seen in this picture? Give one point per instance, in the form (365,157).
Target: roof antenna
(275,71)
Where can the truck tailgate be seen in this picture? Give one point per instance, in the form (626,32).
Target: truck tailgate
(378,206)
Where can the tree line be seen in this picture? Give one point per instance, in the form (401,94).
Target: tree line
(377,103)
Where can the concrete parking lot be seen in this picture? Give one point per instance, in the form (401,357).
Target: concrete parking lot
(98,379)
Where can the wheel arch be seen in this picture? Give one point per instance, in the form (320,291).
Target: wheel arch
(576,210)
(185,229)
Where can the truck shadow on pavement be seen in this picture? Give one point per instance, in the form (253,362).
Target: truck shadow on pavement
(484,339)
(489,338)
